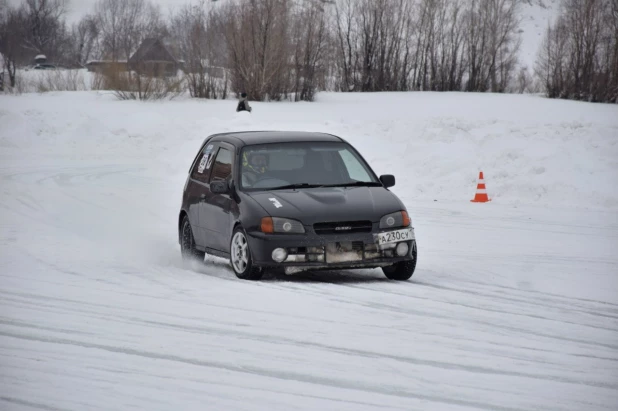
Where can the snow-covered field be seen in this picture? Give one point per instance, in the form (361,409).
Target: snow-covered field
(514,304)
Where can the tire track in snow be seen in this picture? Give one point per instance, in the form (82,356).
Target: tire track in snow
(263,372)
(68,176)
(259,389)
(501,311)
(437,316)
(31,404)
(543,294)
(519,300)
(119,317)
(561,303)
(532,333)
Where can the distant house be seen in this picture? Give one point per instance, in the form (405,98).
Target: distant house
(204,66)
(107,66)
(153,58)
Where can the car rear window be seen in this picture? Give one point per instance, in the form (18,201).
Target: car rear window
(202,167)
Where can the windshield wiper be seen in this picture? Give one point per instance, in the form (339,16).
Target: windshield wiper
(307,185)
(356,184)
(294,186)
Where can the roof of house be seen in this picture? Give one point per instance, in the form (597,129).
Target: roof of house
(152,49)
(106,62)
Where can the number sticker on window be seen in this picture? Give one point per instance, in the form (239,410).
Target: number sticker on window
(202,165)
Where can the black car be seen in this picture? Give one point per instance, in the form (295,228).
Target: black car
(45,66)
(292,201)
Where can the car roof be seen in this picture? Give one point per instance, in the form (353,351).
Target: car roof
(244,138)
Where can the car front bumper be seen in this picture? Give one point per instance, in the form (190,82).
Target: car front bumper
(310,251)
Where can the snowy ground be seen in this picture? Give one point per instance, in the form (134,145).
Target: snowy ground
(514,304)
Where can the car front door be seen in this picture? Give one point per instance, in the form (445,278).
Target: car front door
(198,189)
(215,211)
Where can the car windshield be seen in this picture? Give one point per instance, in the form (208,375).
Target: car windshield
(302,165)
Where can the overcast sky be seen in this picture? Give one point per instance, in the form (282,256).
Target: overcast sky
(78,8)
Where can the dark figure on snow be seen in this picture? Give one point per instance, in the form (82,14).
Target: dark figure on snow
(243,104)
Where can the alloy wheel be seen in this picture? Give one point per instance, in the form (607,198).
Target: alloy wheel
(239,252)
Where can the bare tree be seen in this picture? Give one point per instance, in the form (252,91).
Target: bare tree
(611,50)
(84,39)
(347,34)
(427,34)
(35,27)
(256,32)
(449,64)
(11,34)
(551,63)
(524,80)
(578,59)
(124,24)
(492,44)
(309,38)
(386,67)
(441,45)
(45,30)
(426,44)
(503,21)
(373,44)
(197,41)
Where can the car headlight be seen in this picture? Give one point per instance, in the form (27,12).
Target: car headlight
(281,225)
(393,220)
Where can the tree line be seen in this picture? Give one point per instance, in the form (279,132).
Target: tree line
(290,49)
(579,55)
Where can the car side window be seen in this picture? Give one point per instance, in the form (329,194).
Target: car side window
(222,168)
(203,166)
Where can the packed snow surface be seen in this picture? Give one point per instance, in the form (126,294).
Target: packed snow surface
(513,306)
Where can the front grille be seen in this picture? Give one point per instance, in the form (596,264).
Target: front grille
(358,246)
(337,252)
(343,227)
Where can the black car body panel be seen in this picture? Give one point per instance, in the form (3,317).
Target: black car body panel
(343,219)
(316,205)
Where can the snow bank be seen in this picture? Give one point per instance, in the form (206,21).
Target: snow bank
(532,150)
(510,308)
(36,81)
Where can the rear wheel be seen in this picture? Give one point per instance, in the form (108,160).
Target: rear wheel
(403,270)
(240,257)
(187,243)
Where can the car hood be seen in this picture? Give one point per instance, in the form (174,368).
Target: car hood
(329,204)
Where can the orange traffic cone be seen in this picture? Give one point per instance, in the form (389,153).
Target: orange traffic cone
(481,192)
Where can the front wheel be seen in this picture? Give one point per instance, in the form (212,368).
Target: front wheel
(403,270)
(240,257)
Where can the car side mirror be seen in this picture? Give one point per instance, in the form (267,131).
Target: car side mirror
(388,180)
(219,187)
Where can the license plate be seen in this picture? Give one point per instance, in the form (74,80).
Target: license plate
(389,237)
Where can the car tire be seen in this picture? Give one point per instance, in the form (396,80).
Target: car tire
(187,243)
(403,270)
(240,257)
